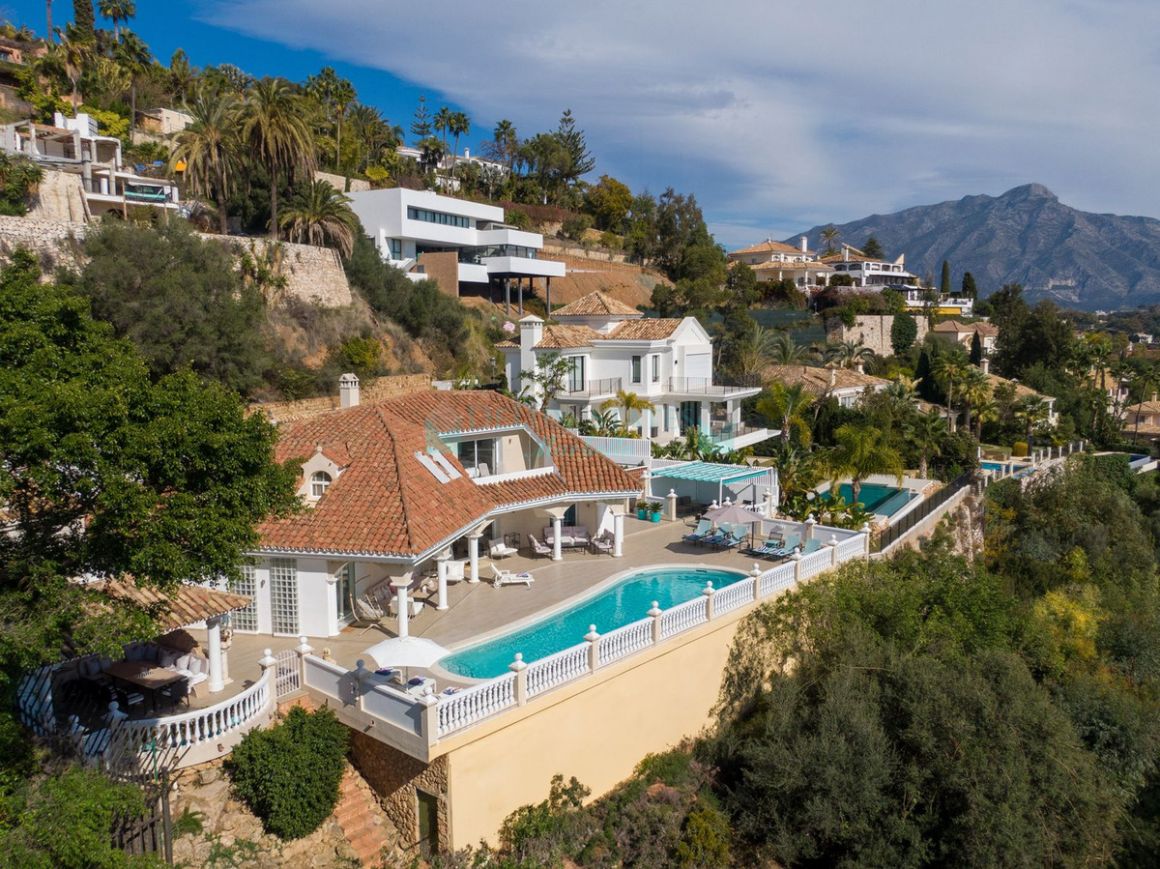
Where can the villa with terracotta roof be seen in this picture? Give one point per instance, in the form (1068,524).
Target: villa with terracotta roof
(775,261)
(964,333)
(1143,418)
(845,384)
(390,489)
(609,348)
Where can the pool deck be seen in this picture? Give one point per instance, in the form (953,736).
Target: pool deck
(475,610)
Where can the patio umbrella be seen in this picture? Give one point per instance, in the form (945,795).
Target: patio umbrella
(734,514)
(405,652)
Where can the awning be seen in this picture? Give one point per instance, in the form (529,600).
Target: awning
(185,605)
(709,472)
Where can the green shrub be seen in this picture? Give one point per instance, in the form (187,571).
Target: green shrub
(289,775)
(575,226)
(1019,449)
(705,837)
(18,175)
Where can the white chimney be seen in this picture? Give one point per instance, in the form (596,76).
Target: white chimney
(466,153)
(833,378)
(348,390)
(531,333)
(805,244)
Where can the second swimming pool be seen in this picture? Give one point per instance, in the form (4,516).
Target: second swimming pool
(625,602)
(878,499)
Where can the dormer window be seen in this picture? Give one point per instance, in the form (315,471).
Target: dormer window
(319,482)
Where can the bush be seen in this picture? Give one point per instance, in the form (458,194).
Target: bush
(1019,449)
(575,226)
(18,175)
(289,775)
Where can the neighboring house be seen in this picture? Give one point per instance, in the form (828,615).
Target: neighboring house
(163,122)
(775,261)
(450,184)
(868,271)
(1115,388)
(610,348)
(1143,418)
(846,385)
(72,145)
(1021,392)
(415,229)
(391,488)
(943,304)
(964,333)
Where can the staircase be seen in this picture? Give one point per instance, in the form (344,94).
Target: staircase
(363,823)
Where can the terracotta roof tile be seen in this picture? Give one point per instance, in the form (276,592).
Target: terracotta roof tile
(559,337)
(816,380)
(984,329)
(387,502)
(810,266)
(651,329)
(185,606)
(768,246)
(596,304)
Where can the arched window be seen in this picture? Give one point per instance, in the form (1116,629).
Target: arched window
(319,483)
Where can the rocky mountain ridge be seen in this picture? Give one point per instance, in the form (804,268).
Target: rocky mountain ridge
(1077,258)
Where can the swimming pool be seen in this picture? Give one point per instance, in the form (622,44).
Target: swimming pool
(625,602)
(878,499)
(1018,469)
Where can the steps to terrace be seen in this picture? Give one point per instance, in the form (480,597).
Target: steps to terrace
(363,822)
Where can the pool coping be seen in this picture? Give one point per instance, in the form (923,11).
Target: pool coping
(439,672)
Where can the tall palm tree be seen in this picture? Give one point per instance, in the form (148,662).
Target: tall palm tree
(798,470)
(460,125)
(975,389)
(754,350)
(1032,412)
(858,452)
(210,148)
(431,154)
(321,215)
(72,56)
(505,143)
(344,95)
(274,127)
(442,123)
(925,432)
(830,235)
(117,11)
(785,407)
(624,402)
(783,350)
(848,354)
(948,369)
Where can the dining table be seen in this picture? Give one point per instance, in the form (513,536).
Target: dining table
(145,675)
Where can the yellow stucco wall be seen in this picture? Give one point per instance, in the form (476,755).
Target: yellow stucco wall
(597,730)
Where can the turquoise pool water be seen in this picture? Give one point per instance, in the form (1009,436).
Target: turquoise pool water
(1019,470)
(626,602)
(878,499)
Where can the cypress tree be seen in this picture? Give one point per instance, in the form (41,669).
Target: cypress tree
(872,248)
(945,283)
(976,349)
(84,20)
(969,288)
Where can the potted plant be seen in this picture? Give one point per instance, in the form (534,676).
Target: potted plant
(654,511)
(642,509)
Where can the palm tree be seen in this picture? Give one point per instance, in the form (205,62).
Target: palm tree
(754,350)
(1032,412)
(117,11)
(504,144)
(926,432)
(460,126)
(948,369)
(443,123)
(785,408)
(320,214)
(830,235)
(903,391)
(72,56)
(783,350)
(209,147)
(797,470)
(975,389)
(849,354)
(858,452)
(431,154)
(344,95)
(624,402)
(274,127)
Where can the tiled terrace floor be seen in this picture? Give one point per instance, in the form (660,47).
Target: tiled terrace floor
(477,609)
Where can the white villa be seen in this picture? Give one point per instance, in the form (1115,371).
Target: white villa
(422,233)
(870,271)
(611,347)
(72,145)
(774,261)
(964,334)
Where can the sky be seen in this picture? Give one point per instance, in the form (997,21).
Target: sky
(777,115)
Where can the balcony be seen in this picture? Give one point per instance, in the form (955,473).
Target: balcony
(704,386)
(732,436)
(603,388)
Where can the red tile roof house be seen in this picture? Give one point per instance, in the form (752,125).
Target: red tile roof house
(393,486)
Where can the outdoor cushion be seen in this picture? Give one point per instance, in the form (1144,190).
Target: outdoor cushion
(168,659)
(182,662)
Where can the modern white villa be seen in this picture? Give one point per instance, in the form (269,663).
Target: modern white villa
(429,235)
(610,347)
(73,145)
(868,271)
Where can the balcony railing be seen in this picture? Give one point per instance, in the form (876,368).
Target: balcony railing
(727,431)
(591,388)
(706,386)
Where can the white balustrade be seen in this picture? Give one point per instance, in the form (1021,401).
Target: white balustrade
(471,704)
(557,669)
(242,711)
(683,616)
(776,579)
(815,563)
(624,641)
(733,596)
(329,678)
(852,548)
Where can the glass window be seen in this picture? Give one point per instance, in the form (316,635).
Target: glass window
(656,369)
(396,245)
(576,374)
(478,457)
(284,595)
(344,592)
(439,217)
(246,618)
(636,373)
(319,483)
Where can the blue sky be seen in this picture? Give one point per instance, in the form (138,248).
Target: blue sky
(777,114)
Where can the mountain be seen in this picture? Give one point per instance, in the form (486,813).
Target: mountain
(1027,236)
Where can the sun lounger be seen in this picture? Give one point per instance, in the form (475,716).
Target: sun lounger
(499,549)
(697,535)
(735,537)
(811,546)
(603,542)
(539,548)
(507,577)
(791,543)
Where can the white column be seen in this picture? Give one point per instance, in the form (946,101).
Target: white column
(557,533)
(473,555)
(401,585)
(441,604)
(618,534)
(216,680)
(646,424)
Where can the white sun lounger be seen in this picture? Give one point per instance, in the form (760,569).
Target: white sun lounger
(507,577)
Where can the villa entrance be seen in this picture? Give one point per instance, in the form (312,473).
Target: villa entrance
(690,415)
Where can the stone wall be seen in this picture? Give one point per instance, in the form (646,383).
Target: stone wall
(313,274)
(56,242)
(339,183)
(395,778)
(872,330)
(567,247)
(377,389)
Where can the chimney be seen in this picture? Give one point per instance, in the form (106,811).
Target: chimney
(805,244)
(985,364)
(833,378)
(845,253)
(348,390)
(531,333)
(860,368)
(466,153)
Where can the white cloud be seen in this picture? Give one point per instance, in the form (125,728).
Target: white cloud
(782,116)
